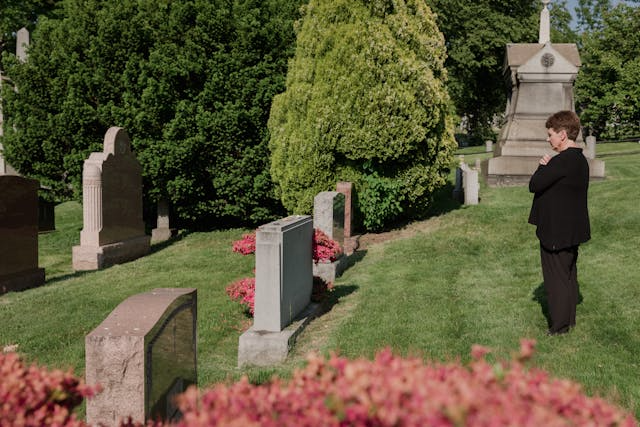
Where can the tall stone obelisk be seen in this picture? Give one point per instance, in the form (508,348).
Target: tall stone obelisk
(539,78)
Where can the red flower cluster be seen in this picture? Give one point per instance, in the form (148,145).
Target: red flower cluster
(393,391)
(244,292)
(325,249)
(246,245)
(33,396)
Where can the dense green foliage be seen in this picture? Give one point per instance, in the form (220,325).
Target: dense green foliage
(191,81)
(608,86)
(365,102)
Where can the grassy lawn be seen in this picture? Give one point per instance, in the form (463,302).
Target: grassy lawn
(469,275)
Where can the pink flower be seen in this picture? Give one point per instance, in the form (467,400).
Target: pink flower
(324,248)
(246,245)
(243,291)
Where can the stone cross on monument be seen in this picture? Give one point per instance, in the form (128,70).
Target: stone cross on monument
(539,78)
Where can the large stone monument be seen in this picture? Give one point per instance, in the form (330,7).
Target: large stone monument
(19,234)
(113,230)
(540,78)
(143,355)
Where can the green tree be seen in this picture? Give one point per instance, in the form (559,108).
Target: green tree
(476,34)
(608,85)
(190,80)
(365,102)
(590,13)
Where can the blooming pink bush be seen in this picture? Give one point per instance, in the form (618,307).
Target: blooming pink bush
(244,292)
(324,248)
(246,245)
(33,396)
(395,391)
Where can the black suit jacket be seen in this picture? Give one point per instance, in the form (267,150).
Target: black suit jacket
(559,208)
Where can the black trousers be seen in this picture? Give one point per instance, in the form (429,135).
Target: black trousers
(560,275)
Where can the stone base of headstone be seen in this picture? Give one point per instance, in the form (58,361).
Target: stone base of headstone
(507,171)
(263,348)
(329,271)
(159,235)
(22,280)
(94,258)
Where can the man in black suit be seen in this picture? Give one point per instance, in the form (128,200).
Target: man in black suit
(559,211)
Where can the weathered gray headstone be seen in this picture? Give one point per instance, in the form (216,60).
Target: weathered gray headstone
(163,231)
(590,149)
(19,234)
(283,271)
(328,214)
(488,146)
(467,186)
(113,230)
(284,284)
(470,184)
(328,217)
(143,355)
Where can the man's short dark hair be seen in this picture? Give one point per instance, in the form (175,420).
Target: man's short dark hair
(565,120)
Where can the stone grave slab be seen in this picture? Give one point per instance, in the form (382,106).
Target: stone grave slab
(143,355)
(19,234)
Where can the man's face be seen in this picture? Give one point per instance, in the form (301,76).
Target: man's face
(556,139)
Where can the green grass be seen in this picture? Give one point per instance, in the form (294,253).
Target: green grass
(470,275)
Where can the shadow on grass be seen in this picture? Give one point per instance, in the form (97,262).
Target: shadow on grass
(67,276)
(540,296)
(157,247)
(443,201)
(334,297)
(354,258)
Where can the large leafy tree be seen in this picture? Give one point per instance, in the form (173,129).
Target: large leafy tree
(476,34)
(191,81)
(608,85)
(365,102)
